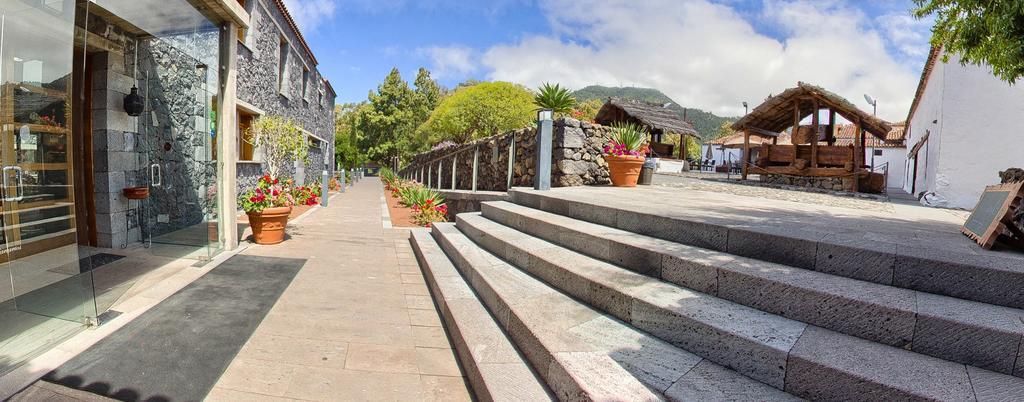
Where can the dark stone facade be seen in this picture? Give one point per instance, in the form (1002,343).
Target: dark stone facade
(258,72)
(575,159)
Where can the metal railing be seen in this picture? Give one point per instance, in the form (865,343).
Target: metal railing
(426,175)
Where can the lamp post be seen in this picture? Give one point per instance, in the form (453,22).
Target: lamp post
(545,128)
(746,109)
(874,112)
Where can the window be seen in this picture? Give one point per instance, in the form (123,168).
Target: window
(246,151)
(878,152)
(305,82)
(320,98)
(282,65)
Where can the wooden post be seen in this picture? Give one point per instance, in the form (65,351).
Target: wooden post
(796,129)
(683,151)
(814,140)
(746,152)
(832,124)
(856,159)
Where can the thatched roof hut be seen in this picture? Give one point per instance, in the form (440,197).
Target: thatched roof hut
(658,119)
(777,113)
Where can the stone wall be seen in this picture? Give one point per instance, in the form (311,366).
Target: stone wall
(459,201)
(258,58)
(844,184)
(575,159)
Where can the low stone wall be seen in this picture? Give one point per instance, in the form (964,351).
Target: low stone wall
(575,159)
(460,201)
(821,183)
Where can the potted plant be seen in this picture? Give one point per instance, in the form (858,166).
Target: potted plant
(268,206)
(281,143)
(625,154)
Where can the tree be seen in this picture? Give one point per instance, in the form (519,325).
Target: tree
(724,130)
(389,117)
(479,111)
(587,110)
(281,141)
(347,136)
(426,97)
(980,32)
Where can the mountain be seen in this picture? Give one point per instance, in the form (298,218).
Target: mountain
(706,123)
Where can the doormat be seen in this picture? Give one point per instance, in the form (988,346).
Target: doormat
(86,264)
(178,350)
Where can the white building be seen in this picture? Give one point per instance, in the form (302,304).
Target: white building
(963,128)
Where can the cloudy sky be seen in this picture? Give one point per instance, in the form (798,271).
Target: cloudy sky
(708,54)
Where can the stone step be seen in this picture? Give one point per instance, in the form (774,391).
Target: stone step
(953,329)
(990,278)
(581,353)
(495,368)
(802,359)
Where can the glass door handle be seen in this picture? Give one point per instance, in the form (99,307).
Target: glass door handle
(21,183)
(155,175)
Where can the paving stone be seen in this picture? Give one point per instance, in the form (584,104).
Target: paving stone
(827,365)
(751,342)
(857,258)
(987,279)
(711,382)
(968,332)
(694,268)
(691,233)
(579,210)
(879,313)
(510,382)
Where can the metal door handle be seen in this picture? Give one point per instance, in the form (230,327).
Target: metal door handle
(20,192)
(156,177)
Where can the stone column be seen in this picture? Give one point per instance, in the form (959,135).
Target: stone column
(227,134)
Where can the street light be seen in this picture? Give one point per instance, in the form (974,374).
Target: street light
(746,109)
(873,102)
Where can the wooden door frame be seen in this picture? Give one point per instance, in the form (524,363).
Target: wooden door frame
(81,135)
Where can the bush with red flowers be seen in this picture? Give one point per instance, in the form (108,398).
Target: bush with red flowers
(269,192)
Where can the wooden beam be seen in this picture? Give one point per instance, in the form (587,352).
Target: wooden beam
(814,134)
(746,152)
(857,151)
(796,126)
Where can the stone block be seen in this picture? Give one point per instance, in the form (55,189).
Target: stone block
(510,382)
(117,239)
(107,203)
(989,386)
(583,376)
(111,223)
(774,244)
(878,313)
(526,198)
(639,254)
(109,182)
(984,278)
(827,365)
(968,332)
(579,210)
(117,161)
(697,234)
(710,382)
(754,343)
(569,137)
(857,258)
(113,120)
(694,268)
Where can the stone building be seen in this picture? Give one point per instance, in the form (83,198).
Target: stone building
(103,99)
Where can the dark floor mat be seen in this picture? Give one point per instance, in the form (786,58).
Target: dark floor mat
(177,350)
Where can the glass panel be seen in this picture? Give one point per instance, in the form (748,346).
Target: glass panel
(47,294)
(175,59)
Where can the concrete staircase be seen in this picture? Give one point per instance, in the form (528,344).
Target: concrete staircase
(583,304)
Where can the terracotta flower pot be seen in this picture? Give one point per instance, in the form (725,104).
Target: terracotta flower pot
(624,170)
(268,226)
(136,193)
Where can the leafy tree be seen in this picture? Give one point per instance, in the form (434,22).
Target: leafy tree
(281,141)
(426,96)
(554,97)
(587,110)
(479,111)
(346,135)
(980,32)
(724,130)
(692,145)
(390,116)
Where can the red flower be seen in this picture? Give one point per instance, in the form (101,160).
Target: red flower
(275,181)
(252,199)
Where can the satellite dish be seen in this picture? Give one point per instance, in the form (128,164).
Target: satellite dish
(667,105)
(871,101)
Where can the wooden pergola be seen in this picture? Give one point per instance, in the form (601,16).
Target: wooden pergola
(657,119)
(806,157)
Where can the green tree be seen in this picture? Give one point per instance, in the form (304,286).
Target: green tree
(980,32)
(479,111)
(347,136)
(587,110)
(389,117)
(426,96)
(724,130)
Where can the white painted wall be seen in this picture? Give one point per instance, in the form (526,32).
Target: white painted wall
(897,160)
(976,131)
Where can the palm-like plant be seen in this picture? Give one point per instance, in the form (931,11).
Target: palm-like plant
(626,139)
(554,97)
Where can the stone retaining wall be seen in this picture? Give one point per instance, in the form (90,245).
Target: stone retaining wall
(460,201)
(575,159)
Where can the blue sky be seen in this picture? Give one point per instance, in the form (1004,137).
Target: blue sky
(706,54)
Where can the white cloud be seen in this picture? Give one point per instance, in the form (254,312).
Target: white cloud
(309,14)
(450,61)
(907,34)
(707,55)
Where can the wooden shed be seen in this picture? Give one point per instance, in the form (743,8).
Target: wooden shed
(658,119)
(813,152)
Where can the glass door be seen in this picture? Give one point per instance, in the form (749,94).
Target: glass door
(47,293)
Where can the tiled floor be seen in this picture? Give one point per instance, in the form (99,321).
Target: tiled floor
(357,323)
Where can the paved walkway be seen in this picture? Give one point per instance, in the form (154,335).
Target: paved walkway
(357,322)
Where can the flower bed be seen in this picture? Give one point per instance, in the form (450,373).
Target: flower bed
(413,203)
